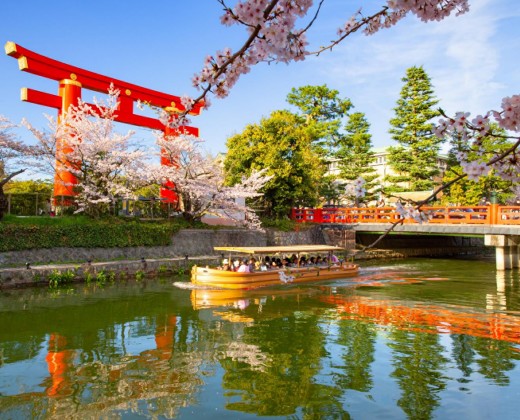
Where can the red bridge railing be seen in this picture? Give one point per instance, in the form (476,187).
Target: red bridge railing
(493,214)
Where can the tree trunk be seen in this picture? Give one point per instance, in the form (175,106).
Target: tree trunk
(3,199)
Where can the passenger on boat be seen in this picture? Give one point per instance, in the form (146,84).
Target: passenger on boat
(319,260)
(244,267)
(236,265)
(312,260)
(225,265)
(252,264)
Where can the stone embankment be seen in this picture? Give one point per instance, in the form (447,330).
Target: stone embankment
(193,246)
(188,247)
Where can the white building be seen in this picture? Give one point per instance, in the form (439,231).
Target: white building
(383,169)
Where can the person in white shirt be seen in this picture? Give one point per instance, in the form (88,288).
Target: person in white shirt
(244,267)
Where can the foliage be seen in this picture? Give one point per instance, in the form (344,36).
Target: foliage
(476,191)
(57,278)
(12,154)
(356,156)
(282,146)
(414,159)
(29,197)
(199,183)
(323,107)
(29,186)
(47,233)
(283,225)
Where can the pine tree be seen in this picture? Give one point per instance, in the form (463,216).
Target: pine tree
(414,159)
(324,109)
(355,154)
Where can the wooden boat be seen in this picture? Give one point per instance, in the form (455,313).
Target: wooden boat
(215,278)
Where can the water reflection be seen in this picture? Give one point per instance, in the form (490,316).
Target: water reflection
(393,343)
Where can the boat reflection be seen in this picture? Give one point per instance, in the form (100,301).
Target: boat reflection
(241,306)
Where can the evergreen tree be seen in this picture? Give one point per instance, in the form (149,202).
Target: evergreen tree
(323,109)
(355,154)
(414,159)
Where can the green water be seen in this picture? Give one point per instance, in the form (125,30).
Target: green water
(406,339)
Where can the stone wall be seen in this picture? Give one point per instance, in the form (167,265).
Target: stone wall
(188,247)
(427,245)
(191,242)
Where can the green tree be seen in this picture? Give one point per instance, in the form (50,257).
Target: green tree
(414,159)
(281,144)
(466,191)
(355,154)
(30,186)
(322,107)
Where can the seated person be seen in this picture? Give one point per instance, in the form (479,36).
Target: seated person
(244,267)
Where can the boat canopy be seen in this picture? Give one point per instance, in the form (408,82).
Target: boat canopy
(296,249)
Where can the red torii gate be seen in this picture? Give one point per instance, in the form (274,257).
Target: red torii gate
(71,80)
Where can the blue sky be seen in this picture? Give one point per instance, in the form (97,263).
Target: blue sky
(472,60)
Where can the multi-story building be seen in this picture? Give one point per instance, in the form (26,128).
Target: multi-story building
(383,169)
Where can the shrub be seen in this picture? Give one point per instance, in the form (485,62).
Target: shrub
(61,232)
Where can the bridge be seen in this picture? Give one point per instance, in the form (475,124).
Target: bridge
(498,225)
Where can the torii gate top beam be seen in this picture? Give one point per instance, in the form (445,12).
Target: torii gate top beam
(40,65)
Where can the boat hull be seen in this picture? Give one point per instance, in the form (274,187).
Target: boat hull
(213,278)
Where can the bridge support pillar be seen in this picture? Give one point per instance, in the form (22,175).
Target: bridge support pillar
(506,250)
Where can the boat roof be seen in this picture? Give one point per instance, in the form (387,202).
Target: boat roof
(278,249)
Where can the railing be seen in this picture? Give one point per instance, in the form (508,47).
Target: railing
(493,214)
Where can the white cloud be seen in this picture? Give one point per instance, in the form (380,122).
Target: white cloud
(467,58)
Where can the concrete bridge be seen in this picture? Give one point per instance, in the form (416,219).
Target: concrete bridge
(498,225)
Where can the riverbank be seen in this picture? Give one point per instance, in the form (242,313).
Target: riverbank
(187,247)
(61,273)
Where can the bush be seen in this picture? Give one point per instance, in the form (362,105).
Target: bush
(48,232)
(284,225)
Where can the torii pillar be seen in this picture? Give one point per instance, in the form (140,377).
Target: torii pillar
(71,81)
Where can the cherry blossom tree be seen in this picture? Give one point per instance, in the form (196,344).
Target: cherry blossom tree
(110,166)
(199,182)
(106,164)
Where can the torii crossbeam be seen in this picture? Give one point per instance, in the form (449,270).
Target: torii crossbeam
(72,79)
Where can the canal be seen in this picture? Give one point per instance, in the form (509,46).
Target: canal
(415,338)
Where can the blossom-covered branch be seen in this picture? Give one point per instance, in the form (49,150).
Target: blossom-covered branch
(272,35)
(198,181)
(106,164)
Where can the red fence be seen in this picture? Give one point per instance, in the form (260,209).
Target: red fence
(493,214)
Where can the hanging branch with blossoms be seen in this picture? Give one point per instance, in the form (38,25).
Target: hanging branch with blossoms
(198,181)
(504,163)
(273,35)
(107,165)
